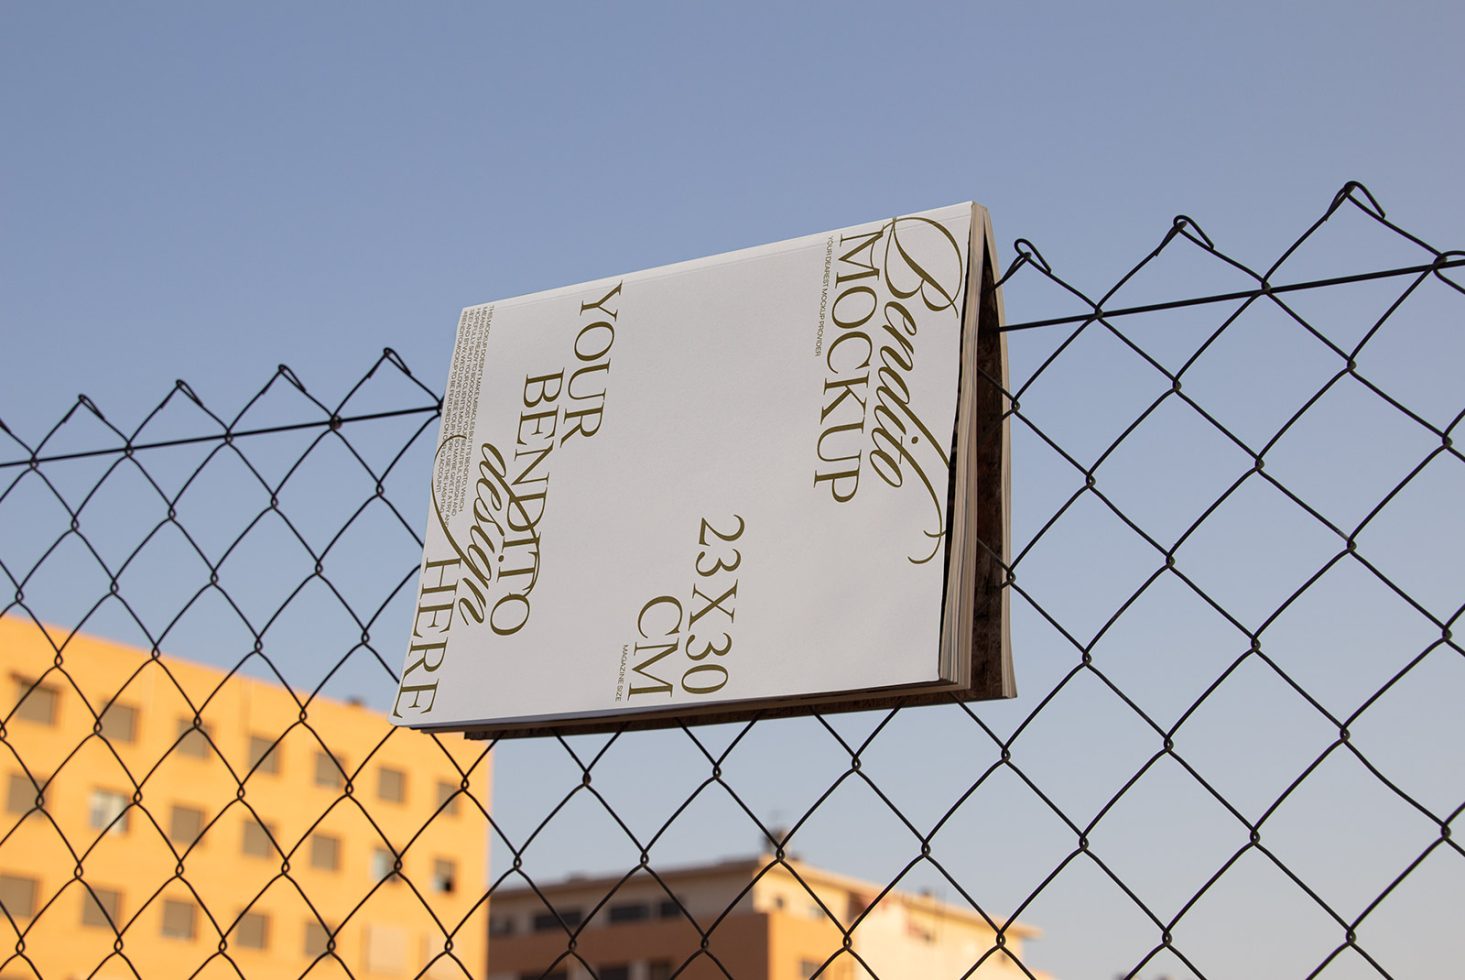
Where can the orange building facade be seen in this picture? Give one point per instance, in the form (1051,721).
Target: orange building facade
(264,841)
(769,926)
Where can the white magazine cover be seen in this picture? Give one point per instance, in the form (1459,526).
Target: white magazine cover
(719,482)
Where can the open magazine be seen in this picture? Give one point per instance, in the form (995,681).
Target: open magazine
(759,483)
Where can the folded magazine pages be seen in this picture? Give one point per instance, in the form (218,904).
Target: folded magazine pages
(766,482)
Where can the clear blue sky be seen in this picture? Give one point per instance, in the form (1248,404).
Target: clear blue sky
(205,191)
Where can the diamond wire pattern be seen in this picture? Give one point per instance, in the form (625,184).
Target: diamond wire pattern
(993,747)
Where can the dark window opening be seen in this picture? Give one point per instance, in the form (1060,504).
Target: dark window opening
(630,912)
(548,921)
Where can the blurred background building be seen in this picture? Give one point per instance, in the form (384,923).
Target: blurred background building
(164,818)
(773,922)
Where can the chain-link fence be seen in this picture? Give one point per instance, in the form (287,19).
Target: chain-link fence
(1238,748)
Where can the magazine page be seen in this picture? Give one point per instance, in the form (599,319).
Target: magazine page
(720,481)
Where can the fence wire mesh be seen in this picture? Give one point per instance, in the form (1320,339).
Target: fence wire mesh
(1237,750)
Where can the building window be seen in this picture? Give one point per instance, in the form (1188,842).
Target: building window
(500,925)
(178,919)
(807,968)
(185,825)
(668,908)
(119,723)
(391,785)
(35,702)
(101,907)
(325,852)
(18,896)
(108,811)
(316,939)
(257,839)
(447,793)
(22,795)
(634,912)
(193,741)
(658,970)
(444,876)
(253,930)
(620,971)
(261,758)
(383,864)
(327,773)
(549,922)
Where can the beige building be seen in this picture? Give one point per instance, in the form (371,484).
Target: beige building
(166,850)
(763,920)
